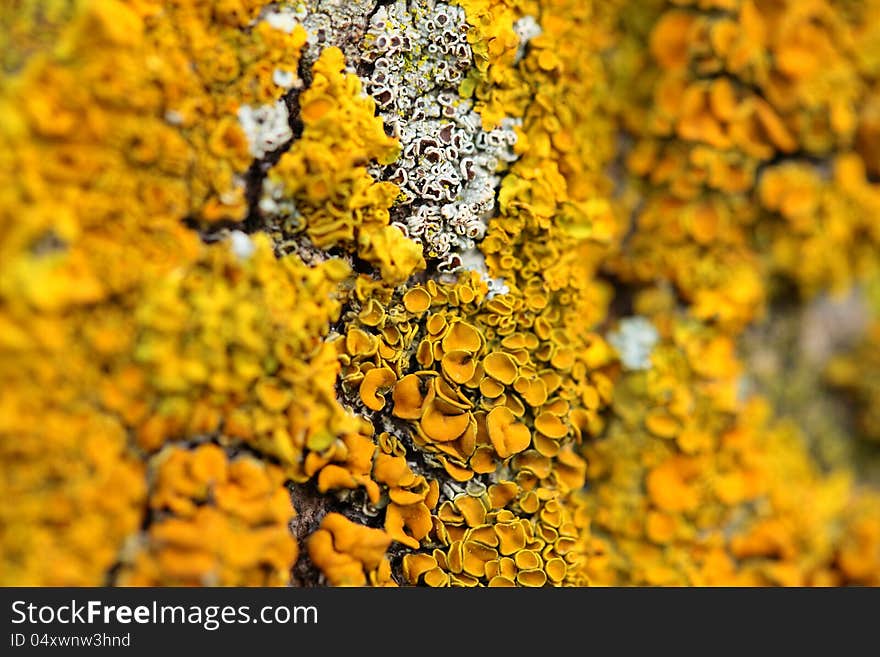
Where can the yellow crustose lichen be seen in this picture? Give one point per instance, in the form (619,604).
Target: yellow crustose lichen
(207,302)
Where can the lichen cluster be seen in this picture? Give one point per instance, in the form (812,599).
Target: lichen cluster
(750,150)
(429,293)
(213,520)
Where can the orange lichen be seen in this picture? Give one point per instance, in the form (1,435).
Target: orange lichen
(507,435)
(219,522)
(498,543)
(374,381)
(726,509)
(408,398)
(78,491)
(823,232)
(501,367)
(731,92)
(349,554)
(858,556)
(454,414)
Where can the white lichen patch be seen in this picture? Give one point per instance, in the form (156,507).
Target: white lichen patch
(275,203)
(526,28)
(266,127)
(284,79)
(286,16)
(634,341)
(339,23)
(473,260)
(449,167)
(241,244)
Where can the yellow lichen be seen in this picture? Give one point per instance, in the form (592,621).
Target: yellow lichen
(337,201)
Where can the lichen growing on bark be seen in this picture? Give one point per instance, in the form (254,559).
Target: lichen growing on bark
(464,293)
